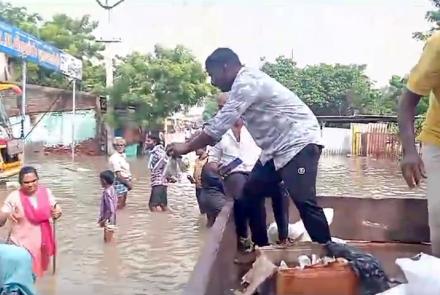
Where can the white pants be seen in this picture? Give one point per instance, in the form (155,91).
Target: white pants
(431,159)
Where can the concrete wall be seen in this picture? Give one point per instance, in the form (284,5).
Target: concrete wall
(56,128)
(337,141)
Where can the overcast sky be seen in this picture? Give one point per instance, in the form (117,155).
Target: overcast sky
(372,32)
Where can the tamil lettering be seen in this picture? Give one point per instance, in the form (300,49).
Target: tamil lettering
(16,43)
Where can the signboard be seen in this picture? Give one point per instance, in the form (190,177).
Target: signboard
(103,104)
(14,42)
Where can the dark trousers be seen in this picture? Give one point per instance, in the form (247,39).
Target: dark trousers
(254,213)
(299,178)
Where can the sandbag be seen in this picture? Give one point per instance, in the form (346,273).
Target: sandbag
(422,273)
(297,231)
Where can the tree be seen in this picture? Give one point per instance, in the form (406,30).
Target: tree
(283,69)
(153,86)
(327,89)
(74,36)
(20,17)
(210,109)
(432,16)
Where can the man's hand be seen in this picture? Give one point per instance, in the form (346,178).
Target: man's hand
(413,169)
(177,149)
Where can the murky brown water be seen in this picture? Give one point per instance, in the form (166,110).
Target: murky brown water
(154,253)
(363,177)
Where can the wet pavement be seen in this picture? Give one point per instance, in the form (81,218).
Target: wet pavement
(154,253)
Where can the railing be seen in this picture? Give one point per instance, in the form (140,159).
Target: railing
(375,140)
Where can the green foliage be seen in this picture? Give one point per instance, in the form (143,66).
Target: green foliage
(327,89)
(283,69)
(339,89)
(20,17)
(432,16)
(156,85)
(74,36)
(210,109)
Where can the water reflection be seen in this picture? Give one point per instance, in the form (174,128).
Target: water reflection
(363,177)
(155,253)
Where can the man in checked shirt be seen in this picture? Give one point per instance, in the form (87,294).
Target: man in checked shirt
(281,124)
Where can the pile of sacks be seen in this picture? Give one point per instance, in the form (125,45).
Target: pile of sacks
(422,273)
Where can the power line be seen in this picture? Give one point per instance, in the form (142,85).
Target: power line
(108,7)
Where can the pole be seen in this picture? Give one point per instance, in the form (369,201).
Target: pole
(109,83)
(23,102)
(73,117)
(108,40)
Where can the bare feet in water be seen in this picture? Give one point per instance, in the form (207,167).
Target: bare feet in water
(159,208)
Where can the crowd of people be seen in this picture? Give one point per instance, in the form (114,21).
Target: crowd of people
(267,131)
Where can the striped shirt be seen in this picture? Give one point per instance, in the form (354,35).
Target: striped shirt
(278,120)
(157,164)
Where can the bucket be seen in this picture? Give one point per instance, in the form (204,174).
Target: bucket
(109,231)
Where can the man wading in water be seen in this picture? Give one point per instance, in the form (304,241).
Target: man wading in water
(282,126)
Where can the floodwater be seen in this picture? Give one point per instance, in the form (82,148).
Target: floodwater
(154,253)
(364,178)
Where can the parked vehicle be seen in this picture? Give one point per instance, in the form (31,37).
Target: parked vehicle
(11,149)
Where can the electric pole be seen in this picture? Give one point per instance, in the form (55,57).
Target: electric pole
(108,39)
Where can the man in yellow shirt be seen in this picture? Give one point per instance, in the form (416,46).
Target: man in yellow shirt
(424,80)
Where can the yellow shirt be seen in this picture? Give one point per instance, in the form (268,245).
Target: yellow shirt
(424,80)
(198,171)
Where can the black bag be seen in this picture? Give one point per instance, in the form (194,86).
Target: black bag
(369,270)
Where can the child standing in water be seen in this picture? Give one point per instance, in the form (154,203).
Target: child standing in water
(109,204)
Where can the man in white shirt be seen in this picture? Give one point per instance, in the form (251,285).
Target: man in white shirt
(238,143)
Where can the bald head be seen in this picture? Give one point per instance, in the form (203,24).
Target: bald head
(221,99)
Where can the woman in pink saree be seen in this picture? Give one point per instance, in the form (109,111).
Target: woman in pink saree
(31,210)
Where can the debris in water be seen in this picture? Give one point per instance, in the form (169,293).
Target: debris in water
(89,147)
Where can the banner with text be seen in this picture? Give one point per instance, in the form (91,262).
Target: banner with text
(14,42)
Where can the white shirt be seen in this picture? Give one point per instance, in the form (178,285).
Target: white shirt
(279,121)
(118,163)
(229,148)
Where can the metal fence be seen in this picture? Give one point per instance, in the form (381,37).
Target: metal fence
(379,140)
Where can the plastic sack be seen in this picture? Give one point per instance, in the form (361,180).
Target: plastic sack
(398,290)
(174,167)
(297,231)
(422,273)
